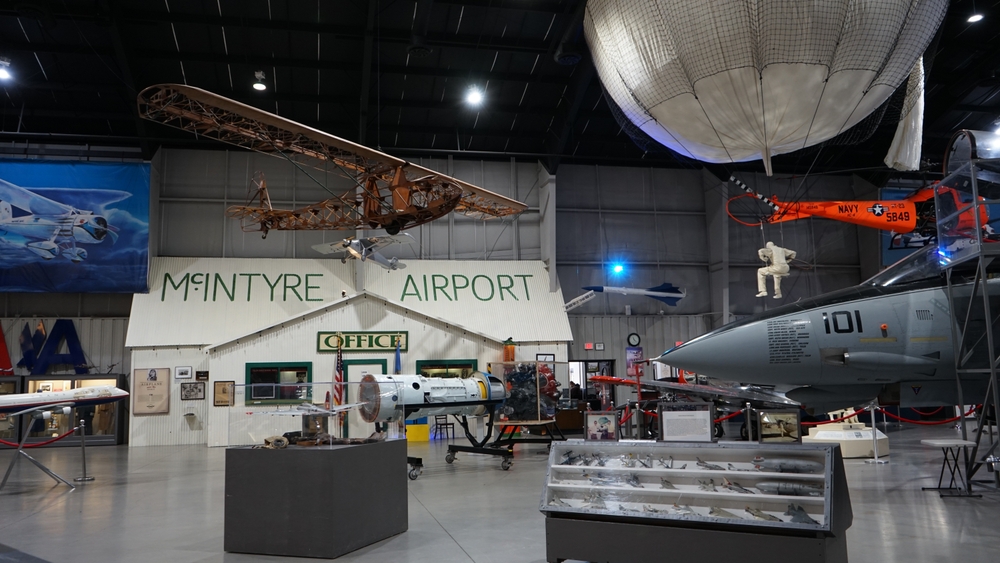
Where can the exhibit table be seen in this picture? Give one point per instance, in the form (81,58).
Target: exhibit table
(951,463)
(321,501)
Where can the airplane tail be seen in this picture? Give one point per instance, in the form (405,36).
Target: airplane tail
(667,288)
(6,212)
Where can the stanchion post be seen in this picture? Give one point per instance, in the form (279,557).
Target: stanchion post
(875,460)
(83,451)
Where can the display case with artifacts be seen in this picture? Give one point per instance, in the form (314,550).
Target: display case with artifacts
(326,447)
(652,492)
(100,422)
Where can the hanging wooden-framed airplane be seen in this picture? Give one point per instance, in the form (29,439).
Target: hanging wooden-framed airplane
(389,193)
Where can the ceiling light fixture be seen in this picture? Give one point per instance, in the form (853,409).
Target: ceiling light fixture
(474,97)
(4,65)
(976,16)
(259,85)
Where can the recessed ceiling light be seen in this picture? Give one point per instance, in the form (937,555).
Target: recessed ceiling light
(474,97)
(259,85)
(974,18)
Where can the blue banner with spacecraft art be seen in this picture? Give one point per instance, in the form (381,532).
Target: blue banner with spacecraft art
(73,227)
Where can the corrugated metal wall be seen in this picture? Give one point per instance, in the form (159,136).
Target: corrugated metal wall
(103,342)
(171,429)
(658,333)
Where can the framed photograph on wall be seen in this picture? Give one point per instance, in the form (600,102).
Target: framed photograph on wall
(201,375)
(193,391)
(779,426)
(183,372)
(687,422)
(545,357)
(150,391)
(224,393)
(601,426)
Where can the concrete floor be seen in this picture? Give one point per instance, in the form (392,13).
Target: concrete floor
(165,504)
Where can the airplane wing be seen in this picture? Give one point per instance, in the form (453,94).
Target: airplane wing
(42,408)
(376,243)
(209,115)
(30,201)
(336,249)
(311,409)
(718,392)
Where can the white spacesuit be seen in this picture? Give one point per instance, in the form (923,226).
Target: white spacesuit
(778,268)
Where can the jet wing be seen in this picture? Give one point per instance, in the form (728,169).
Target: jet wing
(715,392)
(30,201)
(213,116)
(42,408)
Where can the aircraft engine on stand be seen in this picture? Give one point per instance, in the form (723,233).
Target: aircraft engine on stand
(418,396)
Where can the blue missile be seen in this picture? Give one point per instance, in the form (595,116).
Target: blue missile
(664,292)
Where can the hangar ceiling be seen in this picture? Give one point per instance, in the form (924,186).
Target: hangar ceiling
(393,74)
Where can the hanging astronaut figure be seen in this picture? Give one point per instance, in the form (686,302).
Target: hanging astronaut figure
(777,259)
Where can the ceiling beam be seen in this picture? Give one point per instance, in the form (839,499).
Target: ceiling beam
(366,71)
(352,32)
(129,86)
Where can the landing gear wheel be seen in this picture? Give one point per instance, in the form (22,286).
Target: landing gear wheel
(450,458)
(343,260)
(743,432)
(506,463)
(394,227)
(718,431)
(413,474)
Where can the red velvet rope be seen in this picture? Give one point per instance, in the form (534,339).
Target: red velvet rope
(926,422)
(728,416)
(35,445)
(855,413)
(932,413)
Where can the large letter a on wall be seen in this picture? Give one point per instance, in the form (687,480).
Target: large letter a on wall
(63,329)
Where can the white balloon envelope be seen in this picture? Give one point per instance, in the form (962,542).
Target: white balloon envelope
(739,80)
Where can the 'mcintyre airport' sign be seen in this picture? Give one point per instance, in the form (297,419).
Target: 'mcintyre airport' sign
(361,341)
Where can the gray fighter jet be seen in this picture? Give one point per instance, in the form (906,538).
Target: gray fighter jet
(889,336)
(789,488)
(782,465)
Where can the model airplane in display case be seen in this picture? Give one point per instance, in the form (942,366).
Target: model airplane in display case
(365,249)
(23,403)
(385,192)
(48,228)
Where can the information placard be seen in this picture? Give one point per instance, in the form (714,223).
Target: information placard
(687,422)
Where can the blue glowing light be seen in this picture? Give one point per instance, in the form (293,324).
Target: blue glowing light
(618,268)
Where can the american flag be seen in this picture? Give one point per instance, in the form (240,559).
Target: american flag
(338,378)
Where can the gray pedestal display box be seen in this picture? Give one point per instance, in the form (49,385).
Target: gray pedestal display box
(644,501)
(320,501)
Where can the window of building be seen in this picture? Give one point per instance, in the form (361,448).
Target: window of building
(278,383)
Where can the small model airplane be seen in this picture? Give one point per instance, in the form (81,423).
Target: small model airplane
(914,214)
(365,248)
(308,409)
(394,194)
(23,403)
(664,292)
(48,228)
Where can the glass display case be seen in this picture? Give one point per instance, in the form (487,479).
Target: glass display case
(101,421)
(730,485)
(366,413)
(8,428)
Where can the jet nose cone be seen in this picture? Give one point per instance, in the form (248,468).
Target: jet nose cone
(730,355)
